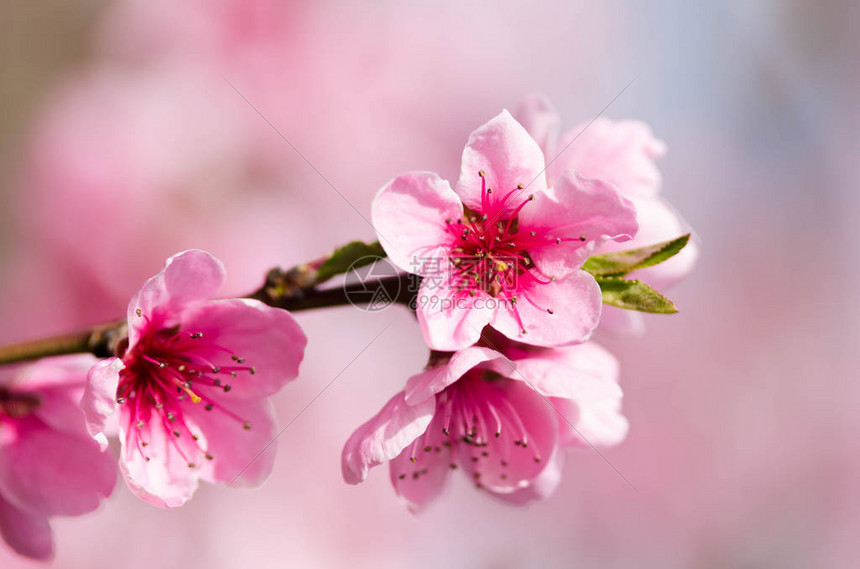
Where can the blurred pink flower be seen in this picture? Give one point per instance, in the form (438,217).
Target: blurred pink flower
(623,154)
(193,385)
(502,419)
(501,248)
(49,465)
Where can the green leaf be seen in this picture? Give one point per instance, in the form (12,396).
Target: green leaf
(355,254)
(634,295)
(623,262)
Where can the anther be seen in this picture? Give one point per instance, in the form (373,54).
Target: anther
(209,457)
(582,237)
(138,312)
(481,173)
(120,400)
(227,388)
(550,310)
(428,448)
(520,186)
(247,425)
(176,433)
(191,465)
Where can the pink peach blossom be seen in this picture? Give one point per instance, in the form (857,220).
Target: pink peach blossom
(503,419)
(623,154)
(49,465)
(501,248)
(192,387)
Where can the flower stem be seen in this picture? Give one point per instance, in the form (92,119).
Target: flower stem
(283,289)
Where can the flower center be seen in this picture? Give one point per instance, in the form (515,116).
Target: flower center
(491,251)
(169,370)
(478,424)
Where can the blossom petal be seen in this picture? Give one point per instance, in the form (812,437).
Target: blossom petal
(186,277)
(240,456)
(597,423)
(622,321)
(508,156)
(28,533)
(384,436)
(583,372)
(540,119)
(154,461)
(432,381)
(99,400)
(417,482)
(621,153)
(267,339)
(52,472)
(658,222)
(58,383)
(542,486)
(410,215)
(451,321)
(575,302)
(506,463)
(573,209)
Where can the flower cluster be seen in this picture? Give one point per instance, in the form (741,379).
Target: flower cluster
(508,300)
(512,383)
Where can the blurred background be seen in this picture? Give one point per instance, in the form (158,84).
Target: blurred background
(128,131)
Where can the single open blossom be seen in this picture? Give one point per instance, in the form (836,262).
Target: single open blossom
(501,248)
(502,420)
(49,464)
(621,153)
(192,387)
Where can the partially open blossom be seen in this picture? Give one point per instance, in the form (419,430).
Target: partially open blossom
(501,248)
(192,387)
(49,465)
(623,154)
(502,420)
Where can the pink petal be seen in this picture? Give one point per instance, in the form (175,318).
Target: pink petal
(621,153)
(52,472)
(62,371)
(503,465)
(428,383)
(451,321)
(240,457)
(540,487)
(418,482)
(621,321)
(384,436)
(186,277)
(58,383)
(575,302)
(409,215)
(267,339)
(573,208)
(584,372)
(659,222)
(508,156)
(165,479)
(541,121)
(99,400)
(593,423)
(27,533)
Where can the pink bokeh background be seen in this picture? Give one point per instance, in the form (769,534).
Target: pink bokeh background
(133,143)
